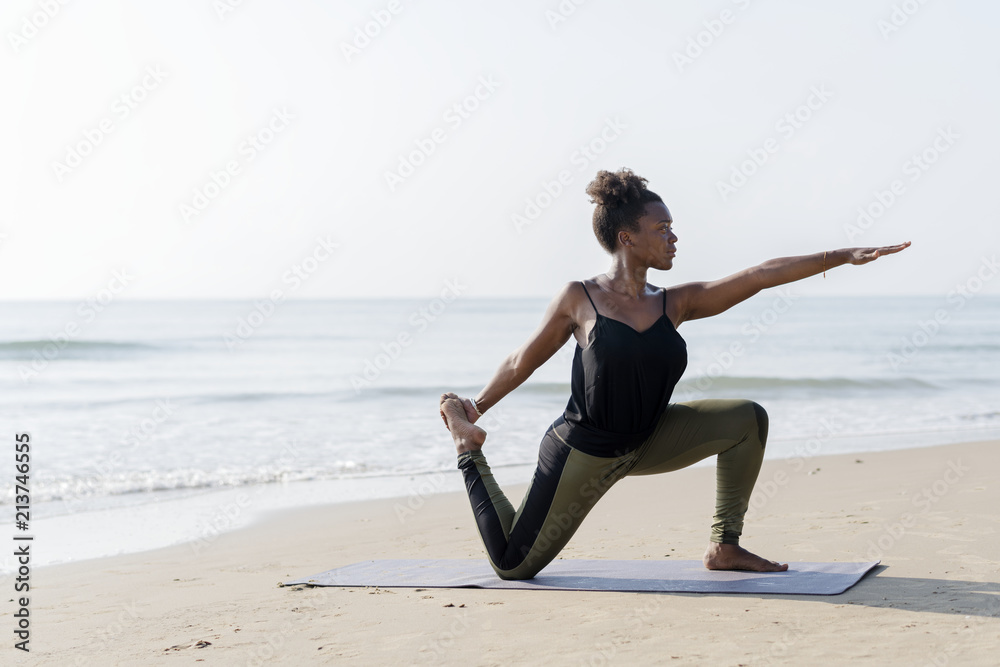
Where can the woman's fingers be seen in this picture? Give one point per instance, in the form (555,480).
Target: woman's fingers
(470,412)
(871,254)
(892,248)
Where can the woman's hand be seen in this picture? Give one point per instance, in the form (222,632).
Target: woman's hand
(470,411)
(865,255)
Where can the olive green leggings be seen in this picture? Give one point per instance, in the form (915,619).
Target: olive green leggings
(567,483)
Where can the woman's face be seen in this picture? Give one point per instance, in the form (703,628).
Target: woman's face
(656,241)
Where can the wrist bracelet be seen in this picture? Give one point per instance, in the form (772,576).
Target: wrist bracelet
(476,406)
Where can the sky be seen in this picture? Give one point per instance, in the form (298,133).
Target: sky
(227,149)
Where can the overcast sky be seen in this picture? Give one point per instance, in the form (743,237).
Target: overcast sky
(227,149)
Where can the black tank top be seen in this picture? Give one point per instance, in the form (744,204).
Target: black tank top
(621,383)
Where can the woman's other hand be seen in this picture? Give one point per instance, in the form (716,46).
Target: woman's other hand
(865,255)
(470,410)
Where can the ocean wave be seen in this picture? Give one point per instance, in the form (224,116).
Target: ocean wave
(88,487)
(541,388)
(704,383)
(559,391)
(697,384)
(832,384)
(981,416)
(70,494)
(48,349)
(198,399)
(954,346)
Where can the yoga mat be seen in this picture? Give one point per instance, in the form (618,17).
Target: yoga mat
(674,576)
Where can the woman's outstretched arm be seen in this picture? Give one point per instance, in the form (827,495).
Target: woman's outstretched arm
(705,299)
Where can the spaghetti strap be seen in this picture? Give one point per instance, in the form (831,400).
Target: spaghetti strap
(591,300)
(664,300)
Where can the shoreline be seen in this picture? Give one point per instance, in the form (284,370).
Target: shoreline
(935,594)
(197,517)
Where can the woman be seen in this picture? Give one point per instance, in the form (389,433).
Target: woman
(619,421)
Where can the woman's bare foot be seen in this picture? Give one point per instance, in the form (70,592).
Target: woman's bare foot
(468,437)
(735,557)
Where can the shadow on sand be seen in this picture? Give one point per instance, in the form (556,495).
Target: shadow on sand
(939,596)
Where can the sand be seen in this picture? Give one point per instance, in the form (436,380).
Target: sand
(930,514)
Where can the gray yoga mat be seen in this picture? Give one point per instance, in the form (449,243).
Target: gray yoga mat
(674,576)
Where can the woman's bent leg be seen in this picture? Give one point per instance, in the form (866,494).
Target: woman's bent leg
(565,486)
(735,430)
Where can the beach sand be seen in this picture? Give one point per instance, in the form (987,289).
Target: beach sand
(929,514)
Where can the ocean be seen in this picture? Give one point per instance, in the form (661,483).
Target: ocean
(159,422)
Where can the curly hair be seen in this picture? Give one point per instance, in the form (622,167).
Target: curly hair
(621,199)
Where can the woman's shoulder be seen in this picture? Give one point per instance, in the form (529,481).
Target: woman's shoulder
(576,298)
(574,292)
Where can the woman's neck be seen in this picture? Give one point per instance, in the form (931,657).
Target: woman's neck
(628,281)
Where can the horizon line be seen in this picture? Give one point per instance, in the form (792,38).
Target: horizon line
(428,296)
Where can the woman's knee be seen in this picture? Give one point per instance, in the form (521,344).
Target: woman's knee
(760,416)
(516,575)
(521,572)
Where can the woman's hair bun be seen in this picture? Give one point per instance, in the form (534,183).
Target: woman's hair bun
(616,189)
